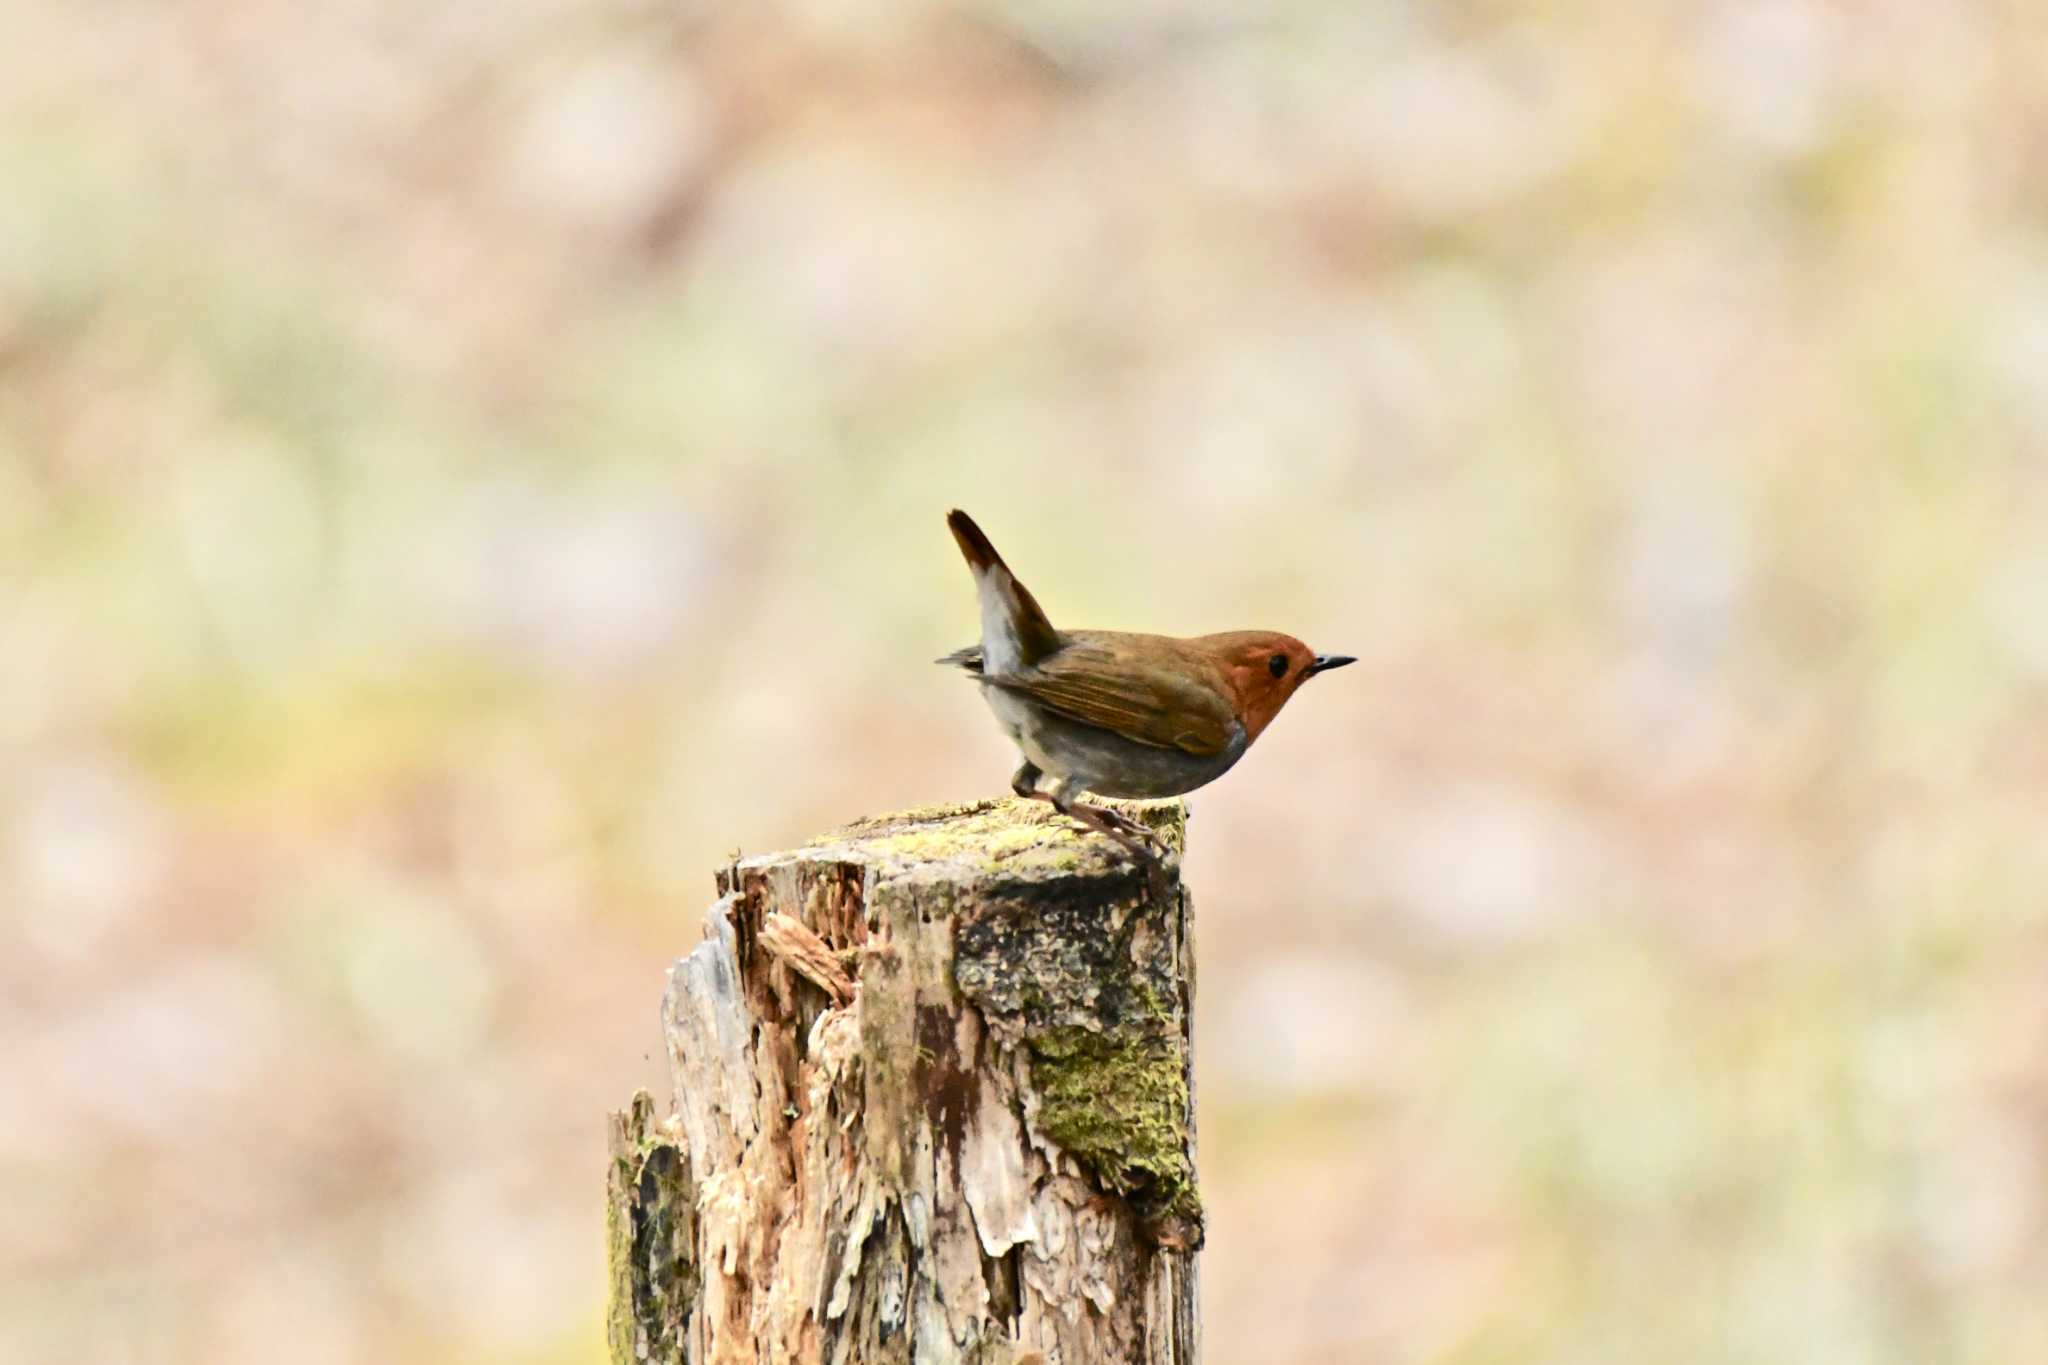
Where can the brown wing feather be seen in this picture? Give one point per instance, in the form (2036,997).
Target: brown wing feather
(1166,700)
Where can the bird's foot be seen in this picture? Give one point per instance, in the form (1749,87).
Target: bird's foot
(1138,838)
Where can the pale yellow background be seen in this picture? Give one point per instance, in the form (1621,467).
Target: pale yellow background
(466,468)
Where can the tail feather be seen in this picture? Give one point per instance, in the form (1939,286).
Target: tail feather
(1014,628)
(980,552)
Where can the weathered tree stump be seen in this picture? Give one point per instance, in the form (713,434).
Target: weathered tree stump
(933,1104)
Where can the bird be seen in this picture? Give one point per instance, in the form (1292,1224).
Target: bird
(1115,713)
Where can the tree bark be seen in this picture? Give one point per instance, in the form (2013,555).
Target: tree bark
(933,1104)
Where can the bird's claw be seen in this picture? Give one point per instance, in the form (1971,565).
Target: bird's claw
(1137,838)
(1137,829)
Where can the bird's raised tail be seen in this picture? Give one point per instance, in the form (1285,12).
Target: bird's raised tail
(1014,631)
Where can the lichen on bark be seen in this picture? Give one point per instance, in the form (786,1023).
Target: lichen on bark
(650,1219)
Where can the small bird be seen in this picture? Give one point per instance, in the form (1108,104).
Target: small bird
(1114,713)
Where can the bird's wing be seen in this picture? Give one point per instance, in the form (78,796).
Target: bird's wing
(1167,708)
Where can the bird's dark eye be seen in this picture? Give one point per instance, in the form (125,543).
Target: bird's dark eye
(1277,665)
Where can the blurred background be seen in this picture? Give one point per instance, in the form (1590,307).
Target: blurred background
(465,469)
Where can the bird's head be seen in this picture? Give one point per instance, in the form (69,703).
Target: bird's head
(1262,669)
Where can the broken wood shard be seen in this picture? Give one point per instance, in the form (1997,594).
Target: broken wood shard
(807,954)
(933,1104)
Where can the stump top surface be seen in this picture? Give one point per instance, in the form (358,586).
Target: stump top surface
(1009,838)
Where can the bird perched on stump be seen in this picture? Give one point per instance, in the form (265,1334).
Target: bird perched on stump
(1115,713)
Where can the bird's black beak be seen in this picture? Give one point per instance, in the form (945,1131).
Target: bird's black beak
(1326,662)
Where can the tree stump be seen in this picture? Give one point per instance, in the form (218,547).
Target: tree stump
(933,1104)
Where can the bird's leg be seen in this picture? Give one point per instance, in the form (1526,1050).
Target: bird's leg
(1024,782)
(1139,839)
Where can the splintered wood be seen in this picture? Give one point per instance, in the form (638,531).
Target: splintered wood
(807,954)
(932,1105)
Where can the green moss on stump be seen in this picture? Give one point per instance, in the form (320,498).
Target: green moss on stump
(1118,1102)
